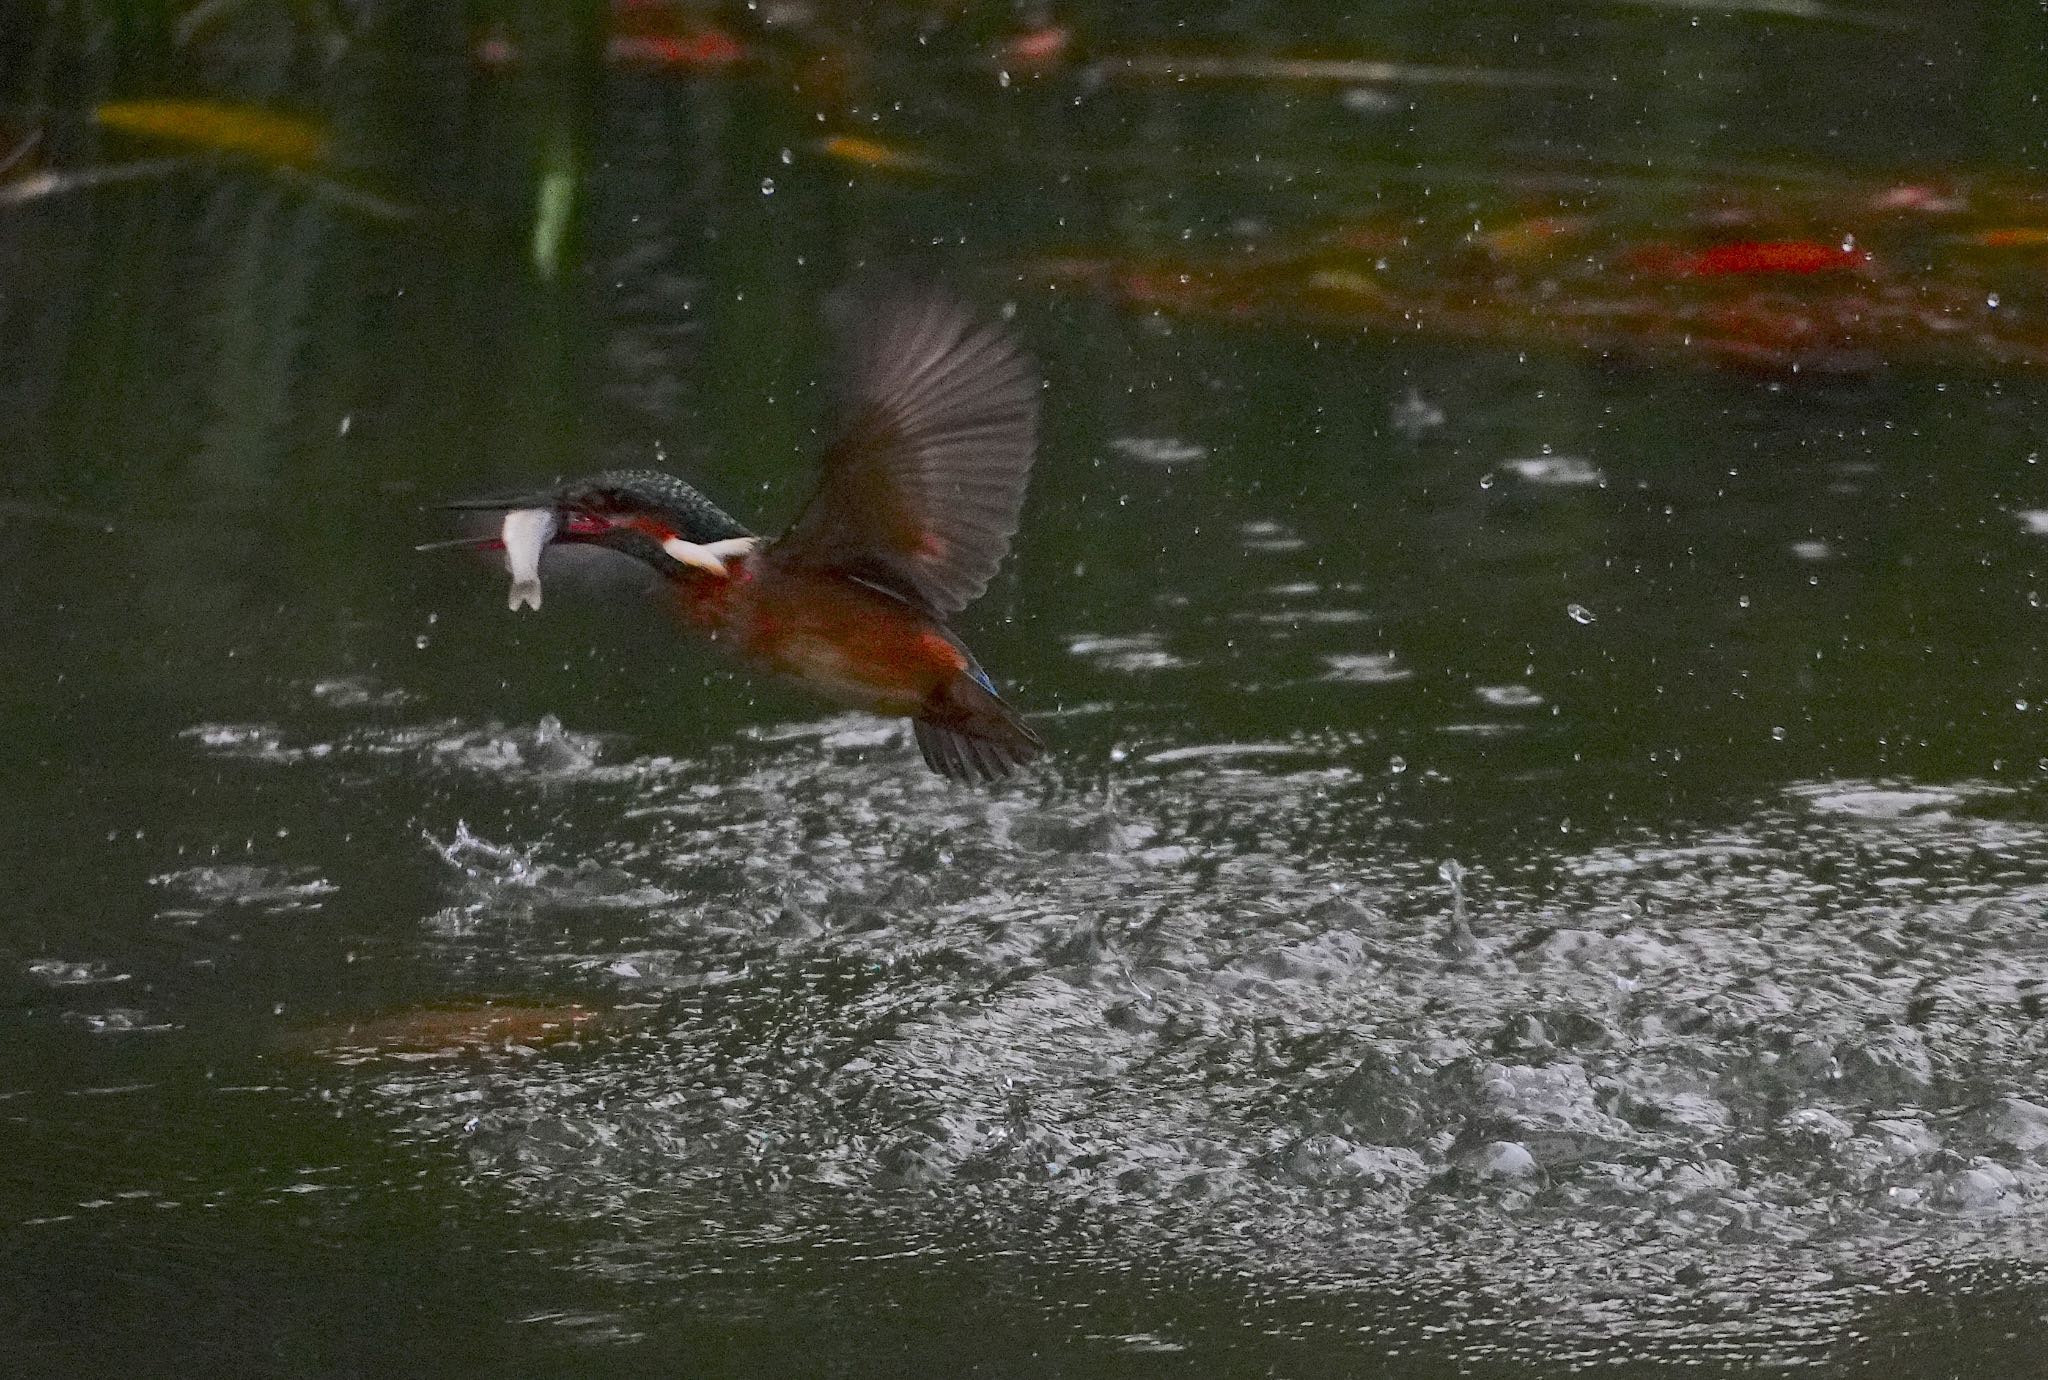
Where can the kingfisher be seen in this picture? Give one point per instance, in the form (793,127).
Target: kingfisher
(913,514)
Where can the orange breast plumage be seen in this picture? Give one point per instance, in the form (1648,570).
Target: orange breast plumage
(853,643)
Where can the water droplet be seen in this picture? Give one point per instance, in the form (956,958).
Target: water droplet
(1579,613)
(1991,300)
(1119,753)
(1742,601)
(1397,764)
(767,186)
(420,642)
(788,157)
(2021,705)
(1777,733)
(1486,480)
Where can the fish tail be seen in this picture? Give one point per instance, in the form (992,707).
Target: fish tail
(525,594)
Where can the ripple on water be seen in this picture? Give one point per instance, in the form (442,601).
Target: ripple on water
(1190,1009)
(1365,668)
(57,972)
(1159,450)
(1556,471)
(545,750)
(274,889)
(1872,801)
(1264,534)
(1126,652)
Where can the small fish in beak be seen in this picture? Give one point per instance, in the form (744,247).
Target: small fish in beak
(526,533)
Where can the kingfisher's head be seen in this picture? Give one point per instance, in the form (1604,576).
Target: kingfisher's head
(652,517)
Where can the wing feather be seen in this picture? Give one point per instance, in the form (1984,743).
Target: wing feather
(923,482)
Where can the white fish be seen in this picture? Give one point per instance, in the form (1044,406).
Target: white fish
(526,533)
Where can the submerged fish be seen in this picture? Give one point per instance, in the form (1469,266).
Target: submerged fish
(526,533)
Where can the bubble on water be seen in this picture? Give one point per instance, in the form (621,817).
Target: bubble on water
(420,641)
(1579,613)
(1397,764)
(1742,601)
(1991,300)
(2022,705)
(767,186)
(1778,733)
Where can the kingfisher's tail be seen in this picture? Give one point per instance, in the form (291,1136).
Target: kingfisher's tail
(968,734)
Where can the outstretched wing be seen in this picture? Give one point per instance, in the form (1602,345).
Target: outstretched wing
(923,482)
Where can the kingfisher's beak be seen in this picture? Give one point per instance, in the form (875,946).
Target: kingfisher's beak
(498,503)
(529,524)
(492,541)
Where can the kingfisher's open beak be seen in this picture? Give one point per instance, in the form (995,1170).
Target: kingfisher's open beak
(491,541)
(497,504)
(529,524)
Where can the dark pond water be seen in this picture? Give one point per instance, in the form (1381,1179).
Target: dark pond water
(1542,867)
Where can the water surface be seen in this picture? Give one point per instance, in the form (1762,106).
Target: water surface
(1542,866)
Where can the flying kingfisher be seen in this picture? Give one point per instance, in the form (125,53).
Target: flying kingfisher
(913,514)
